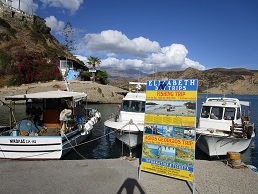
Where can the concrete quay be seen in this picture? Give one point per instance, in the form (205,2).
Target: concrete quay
(119,176)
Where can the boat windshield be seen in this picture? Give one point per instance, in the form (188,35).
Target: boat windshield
(229,113)
(133,106)
(205,112)
(219,113)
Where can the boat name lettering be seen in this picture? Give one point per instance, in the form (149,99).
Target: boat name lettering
(22,141)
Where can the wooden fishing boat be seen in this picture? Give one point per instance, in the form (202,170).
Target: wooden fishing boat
(56,122)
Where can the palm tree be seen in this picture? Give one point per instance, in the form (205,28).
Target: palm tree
(93,61)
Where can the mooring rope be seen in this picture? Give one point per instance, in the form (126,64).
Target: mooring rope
(73,147)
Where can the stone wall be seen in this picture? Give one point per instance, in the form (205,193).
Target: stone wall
(9,14)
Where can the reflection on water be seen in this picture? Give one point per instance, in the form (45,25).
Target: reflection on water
(99,146)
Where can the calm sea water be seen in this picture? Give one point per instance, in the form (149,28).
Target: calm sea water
(100,146)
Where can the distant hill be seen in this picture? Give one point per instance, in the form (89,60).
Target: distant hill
(128,73)
(216,81)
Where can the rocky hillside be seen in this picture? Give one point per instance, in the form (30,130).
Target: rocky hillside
(29,33)
(97,93)
(19,31)
(216,81)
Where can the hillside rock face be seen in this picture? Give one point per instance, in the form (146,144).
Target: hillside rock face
(21,31)
(96,93)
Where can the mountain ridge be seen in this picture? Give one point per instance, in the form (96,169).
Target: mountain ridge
(216,81)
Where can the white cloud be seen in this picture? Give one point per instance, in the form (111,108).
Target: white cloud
(116,42)
(27,6)
(55,25)
(150,57)
(82,58)
(122,63)
(193,64)
(172,58)
(71,5)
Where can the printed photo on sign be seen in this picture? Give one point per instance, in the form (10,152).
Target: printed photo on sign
(164,130)
(180,132)
(184,156)
(177,108)
(158,152)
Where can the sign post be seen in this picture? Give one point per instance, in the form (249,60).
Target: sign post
(169,132)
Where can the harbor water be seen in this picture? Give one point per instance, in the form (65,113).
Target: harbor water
(102,146)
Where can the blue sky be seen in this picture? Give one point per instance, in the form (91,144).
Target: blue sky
(157,35)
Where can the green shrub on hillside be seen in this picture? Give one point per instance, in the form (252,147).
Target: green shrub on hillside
(6,25)
(15,80)
(40,26)
(5,63)
(102,77)
(85,75)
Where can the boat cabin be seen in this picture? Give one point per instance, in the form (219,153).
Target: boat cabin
(44,108)
(134,102)
(220,112)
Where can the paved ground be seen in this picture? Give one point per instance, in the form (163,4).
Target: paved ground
(110,176)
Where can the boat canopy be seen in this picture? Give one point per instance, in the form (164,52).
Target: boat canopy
(135,96)
(245,103)
(47,95)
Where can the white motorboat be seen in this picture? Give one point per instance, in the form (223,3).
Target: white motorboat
(128,123)
(57,121)
(224,126)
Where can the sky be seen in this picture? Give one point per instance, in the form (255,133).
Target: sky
(156,35)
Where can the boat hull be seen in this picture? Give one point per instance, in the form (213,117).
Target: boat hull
(217,145)
(38,147)
(129,134)
(131,140)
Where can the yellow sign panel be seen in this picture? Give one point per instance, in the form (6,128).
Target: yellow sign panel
(170,95)
(169,132)
(170,120)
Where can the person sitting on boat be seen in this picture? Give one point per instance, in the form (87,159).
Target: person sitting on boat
(213,116)
(64,116)
(205,114)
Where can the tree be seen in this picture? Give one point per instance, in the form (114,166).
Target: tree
(93,61)
(68,31)
(102,77)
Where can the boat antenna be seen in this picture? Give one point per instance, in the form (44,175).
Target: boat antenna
(67,85)
(207,90)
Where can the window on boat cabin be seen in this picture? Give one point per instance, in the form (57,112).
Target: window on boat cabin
(142,107)
(133,106)
(238,115)
(216,113)
(56,104)
(229,113)
(205,112)
(125,105)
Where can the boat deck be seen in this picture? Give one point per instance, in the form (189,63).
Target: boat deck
(51,131)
